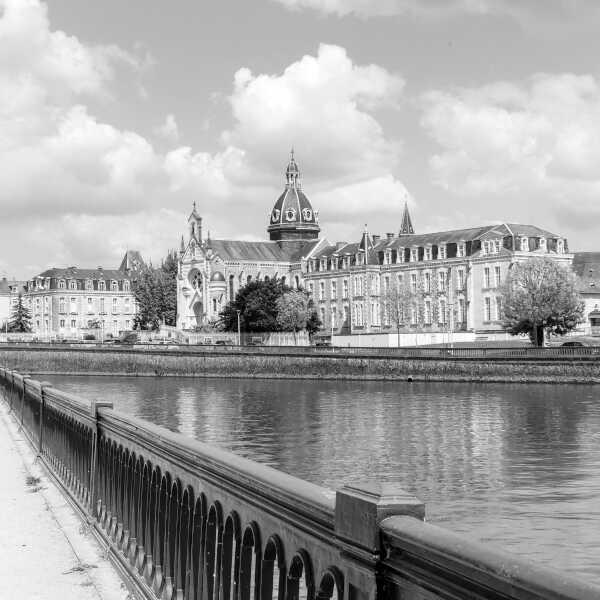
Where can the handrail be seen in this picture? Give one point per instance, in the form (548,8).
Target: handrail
(439,560)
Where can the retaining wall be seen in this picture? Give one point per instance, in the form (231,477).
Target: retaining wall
(230,363)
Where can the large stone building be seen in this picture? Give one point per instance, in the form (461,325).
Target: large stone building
(587,268)
(453,277)
(71,302)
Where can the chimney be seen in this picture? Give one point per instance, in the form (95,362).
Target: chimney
(100,268)
(375,238)
(389,236)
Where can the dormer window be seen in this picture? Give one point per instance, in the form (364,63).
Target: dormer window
(460,249)
(497,246)
(102,285)
(442,251)
(359,258)
(114,286)
(400,255)
(428,252)
(89,284)
(524,244)
(543,244)
(560,246)
(62,284)
(414,254)
(126,287)
(72,284)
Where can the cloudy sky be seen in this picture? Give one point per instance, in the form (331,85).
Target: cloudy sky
(115,116)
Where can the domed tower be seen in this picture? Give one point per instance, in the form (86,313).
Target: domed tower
(293,218)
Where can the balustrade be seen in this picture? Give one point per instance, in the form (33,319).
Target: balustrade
(188,521)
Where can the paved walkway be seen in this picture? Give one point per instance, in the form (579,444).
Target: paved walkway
(44,550)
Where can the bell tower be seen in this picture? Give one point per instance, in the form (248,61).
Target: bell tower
(195,225)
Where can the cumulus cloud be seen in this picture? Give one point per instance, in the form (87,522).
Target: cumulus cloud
(324,106)
(79,187)
(532,146)
(522,10)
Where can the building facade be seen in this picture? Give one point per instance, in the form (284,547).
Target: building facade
(587,268)
(448,281)
(73,302)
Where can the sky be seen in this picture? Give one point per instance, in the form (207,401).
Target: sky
(115,116)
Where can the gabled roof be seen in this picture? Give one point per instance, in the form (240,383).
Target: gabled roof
(76,273)
(241,250)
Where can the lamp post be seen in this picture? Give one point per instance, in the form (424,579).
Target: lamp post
(239,329)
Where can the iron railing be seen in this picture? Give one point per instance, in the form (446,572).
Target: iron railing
(187,521)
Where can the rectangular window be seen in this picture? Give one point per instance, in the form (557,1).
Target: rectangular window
(115,305)
(460,250)
(443,315)
(61,306)
(461,279)
(441,252)
(414,254)
(101,305)
(127,305)
(334,290)
(427,283)
(486,277)
(427,253)
(127,324)
(115,327)
(413,283)
(487,309)
(427,312)
(311,288)
(460,315)
(321,290)
(499,315)
(442,281)
(73,305)
(386,284)
(73,324)
(497,276)
(497,246)
(333,317)
(345,292)
(62,323)
(90,305)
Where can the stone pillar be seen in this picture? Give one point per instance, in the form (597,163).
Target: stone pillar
(359,510)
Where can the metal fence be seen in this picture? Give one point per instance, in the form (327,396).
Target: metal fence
(187,521)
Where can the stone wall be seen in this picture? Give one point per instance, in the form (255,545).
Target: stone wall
(230,363)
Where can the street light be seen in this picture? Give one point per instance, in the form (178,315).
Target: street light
(239,330)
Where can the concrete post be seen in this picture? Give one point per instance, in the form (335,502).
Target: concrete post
(359,509)
(95,405)
(44,386)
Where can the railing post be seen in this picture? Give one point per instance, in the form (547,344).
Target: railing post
(95,405)
(25,377)
(43,387)
(359,509)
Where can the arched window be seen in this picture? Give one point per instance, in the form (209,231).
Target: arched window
(102,285)
(89,284)
(214,305)
(114,286)
(126,287)
(72,284)
(61,284)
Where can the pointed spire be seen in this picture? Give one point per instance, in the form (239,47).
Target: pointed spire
(292,173)
(406,228)
(182,246)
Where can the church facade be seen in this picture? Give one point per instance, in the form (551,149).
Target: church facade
(452,278)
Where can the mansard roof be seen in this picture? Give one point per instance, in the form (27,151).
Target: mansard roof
(76,273)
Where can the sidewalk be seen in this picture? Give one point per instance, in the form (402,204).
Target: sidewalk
(44,551)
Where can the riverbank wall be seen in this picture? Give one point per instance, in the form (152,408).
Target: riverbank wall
(245,362)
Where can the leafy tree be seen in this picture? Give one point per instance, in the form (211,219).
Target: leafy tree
(20,317)
(313,323)
(292,311)
(540,295)
(155,293)
(257,303)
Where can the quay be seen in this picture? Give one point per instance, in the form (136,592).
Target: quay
(182,520)
(493,365)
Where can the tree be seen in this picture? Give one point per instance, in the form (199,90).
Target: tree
(155,293)
(398,300)
(294,310)
(257,303)
(20,320)
(540,295)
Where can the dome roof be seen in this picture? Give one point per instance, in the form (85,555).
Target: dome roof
(293,215)
(217,276)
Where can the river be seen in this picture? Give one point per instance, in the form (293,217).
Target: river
(518,464)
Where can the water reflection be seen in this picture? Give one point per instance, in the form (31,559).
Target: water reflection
(516,464)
